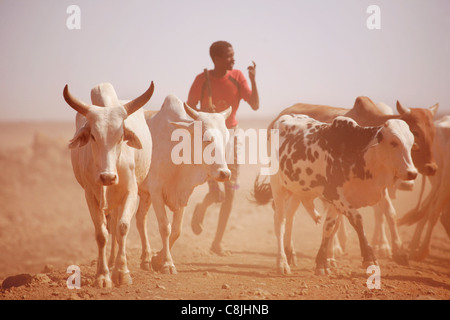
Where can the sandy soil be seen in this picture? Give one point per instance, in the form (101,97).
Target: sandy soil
(45,227)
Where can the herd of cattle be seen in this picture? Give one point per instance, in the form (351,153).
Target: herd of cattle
(348,158)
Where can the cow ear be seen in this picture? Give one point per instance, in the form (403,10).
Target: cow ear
(184,125)
(81,137)
(434,109)
(131,138)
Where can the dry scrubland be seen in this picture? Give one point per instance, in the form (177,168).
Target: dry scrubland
(45,226)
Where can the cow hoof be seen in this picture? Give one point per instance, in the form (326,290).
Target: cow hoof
(197,220)
(169,269)
(401,258)
(145,265)
(419,255)
(121,278)
(103,281)
(322,271)
(284,269)
(384,251)
(291,257)
(157,262)
(333,263)
(219,250)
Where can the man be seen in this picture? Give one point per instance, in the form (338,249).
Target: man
(227,87)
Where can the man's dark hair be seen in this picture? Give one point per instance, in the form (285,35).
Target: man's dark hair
(218,48)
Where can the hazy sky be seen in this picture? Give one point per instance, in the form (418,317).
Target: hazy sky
(315,51)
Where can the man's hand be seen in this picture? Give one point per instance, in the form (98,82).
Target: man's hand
(252,71)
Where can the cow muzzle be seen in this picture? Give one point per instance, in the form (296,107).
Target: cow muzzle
(411,174)
(430,169)
(108,178)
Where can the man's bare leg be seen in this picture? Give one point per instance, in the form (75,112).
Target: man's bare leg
(214,195)
(225,211)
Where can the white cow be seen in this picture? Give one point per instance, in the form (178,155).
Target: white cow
(342,163)
(111,153)
(171,182)
(438,200)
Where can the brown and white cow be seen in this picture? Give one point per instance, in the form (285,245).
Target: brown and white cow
(111,153)
(437,203)
(171,181)
(366,113)
(342,163)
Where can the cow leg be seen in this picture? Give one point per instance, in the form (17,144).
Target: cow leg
(280,196)
(141,224)
(379,239)
(163,260)
(341,238)
(415,241)
(176,226)
(398,253)
(225,211)
(121,274)
(355,220)
(433,216)
(292,206)
(329,229)
(103,278)
(424,249)
(445,218)
(111,223)
(200,209)
(332,249)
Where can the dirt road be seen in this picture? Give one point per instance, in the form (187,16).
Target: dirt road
(45,227)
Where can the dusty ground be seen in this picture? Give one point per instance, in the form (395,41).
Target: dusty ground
(45,227)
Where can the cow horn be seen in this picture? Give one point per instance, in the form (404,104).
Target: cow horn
(191,112)
(401,109)
(227,113)
(139,102)
(76,104)
(434,109)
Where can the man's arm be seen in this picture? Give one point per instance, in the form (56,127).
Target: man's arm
(254,98)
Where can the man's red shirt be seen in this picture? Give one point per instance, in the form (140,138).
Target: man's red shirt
(226,91)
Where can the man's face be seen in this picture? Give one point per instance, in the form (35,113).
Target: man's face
(226,60)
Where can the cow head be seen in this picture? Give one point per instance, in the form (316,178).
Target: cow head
(214,137)
(106,131)
(395,142)
(421,124)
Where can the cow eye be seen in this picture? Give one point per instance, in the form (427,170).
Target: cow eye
(394,144)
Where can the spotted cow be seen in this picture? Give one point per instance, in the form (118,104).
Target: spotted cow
(366,113)
(344,164)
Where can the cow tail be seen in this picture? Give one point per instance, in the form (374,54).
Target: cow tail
(262,192)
